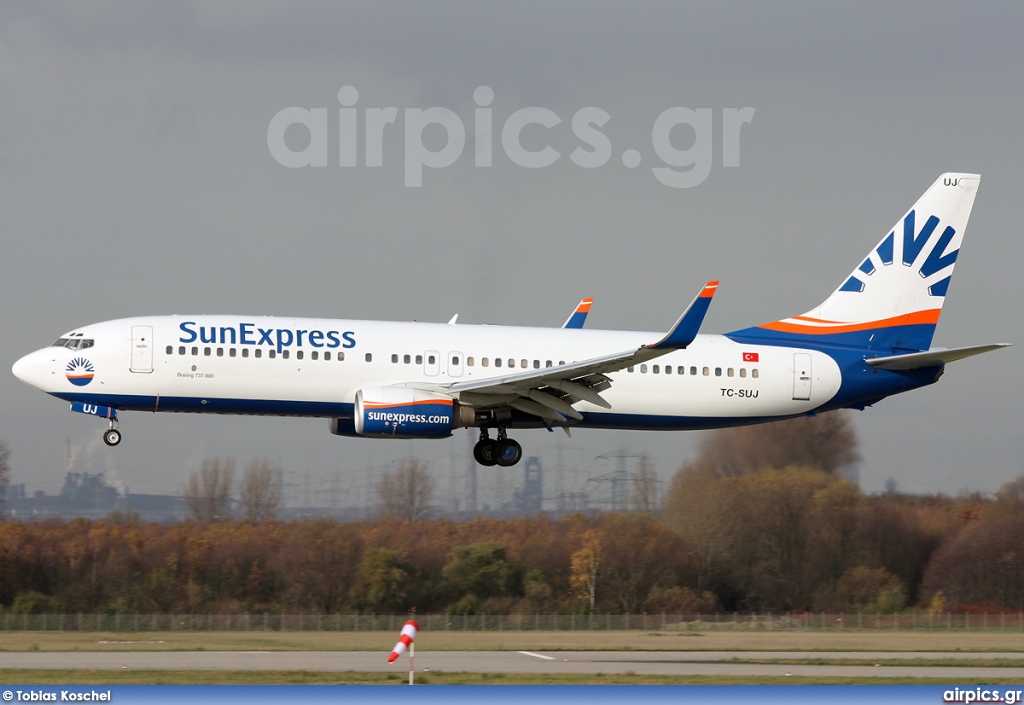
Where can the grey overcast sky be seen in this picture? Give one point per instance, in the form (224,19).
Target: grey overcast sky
(135,178)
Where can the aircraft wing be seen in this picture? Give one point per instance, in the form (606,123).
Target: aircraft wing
(930,358)
(550,392)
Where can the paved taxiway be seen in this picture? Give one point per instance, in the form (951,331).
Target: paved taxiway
(684,663)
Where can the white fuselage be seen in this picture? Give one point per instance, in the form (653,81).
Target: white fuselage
(314,367)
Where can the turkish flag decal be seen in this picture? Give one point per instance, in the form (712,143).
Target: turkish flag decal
(750,357)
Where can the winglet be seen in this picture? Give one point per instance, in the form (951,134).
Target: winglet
(579,316)
(685,329)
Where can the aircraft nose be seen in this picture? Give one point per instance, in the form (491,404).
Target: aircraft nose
(30,369)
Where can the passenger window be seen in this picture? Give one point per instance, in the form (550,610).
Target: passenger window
(707,371)
(298,354)
(754,373)
(406,359)
(368,357)
(245,352)
(271,354)
(668,369)
(315,355)
(497,362)
(681,370)
(511,362)
(195,351)
(341,356)
(181,350)
(547,363)
(419,359)
(284,354)
(656,369)
(484,362)
(693,371)
(524,364)
(232,352)
(630,369)
(207,352)
(258,353)
(718,372)
(561,362)
(327,355)
(170,349)
(729,372)
(469,362)
(431,360)
(743,372)
(455,361)
(643,369)
(220,352)
(536,364)
(394,359)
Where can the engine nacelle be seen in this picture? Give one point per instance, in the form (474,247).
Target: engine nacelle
(401,412)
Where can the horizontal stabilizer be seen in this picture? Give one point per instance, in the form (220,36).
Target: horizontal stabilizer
(930,358)
(685,330)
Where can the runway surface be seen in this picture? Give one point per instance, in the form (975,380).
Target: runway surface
(685,663)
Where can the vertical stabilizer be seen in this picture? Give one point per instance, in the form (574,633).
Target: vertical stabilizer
(893,299)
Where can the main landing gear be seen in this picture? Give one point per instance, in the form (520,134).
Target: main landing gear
(502,451)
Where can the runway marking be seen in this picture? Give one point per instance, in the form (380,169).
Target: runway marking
(541,656)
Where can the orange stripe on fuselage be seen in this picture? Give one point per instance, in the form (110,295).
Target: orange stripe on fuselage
(910,319)
(381,405)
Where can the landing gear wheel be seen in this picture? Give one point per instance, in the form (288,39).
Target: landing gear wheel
(485,452)
(509,452)
(111,436)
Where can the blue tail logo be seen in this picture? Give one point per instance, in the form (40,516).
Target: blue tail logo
(913,245)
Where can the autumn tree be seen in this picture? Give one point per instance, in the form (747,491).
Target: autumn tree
(584,567)
(382,582)
(645,487)
(984,563)
(319,564)
(207,492)
(481,571)
(825,442)
(260,490)
(698,508)
(5,471)
(406,492)
(638,555)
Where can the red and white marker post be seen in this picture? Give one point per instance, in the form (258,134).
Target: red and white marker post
(407,640)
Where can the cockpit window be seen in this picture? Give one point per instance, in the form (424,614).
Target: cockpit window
(73,343)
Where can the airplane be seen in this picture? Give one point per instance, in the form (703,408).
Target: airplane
(869,340)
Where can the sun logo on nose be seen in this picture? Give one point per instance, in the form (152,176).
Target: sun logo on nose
(80,372)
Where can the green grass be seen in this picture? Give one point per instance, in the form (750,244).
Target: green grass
(584,640)
(83,677)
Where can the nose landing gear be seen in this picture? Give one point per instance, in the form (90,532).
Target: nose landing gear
(502,451)
(112,436)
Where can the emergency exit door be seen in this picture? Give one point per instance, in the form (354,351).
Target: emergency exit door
(142,349)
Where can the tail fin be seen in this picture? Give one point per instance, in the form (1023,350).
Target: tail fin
(892,301)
